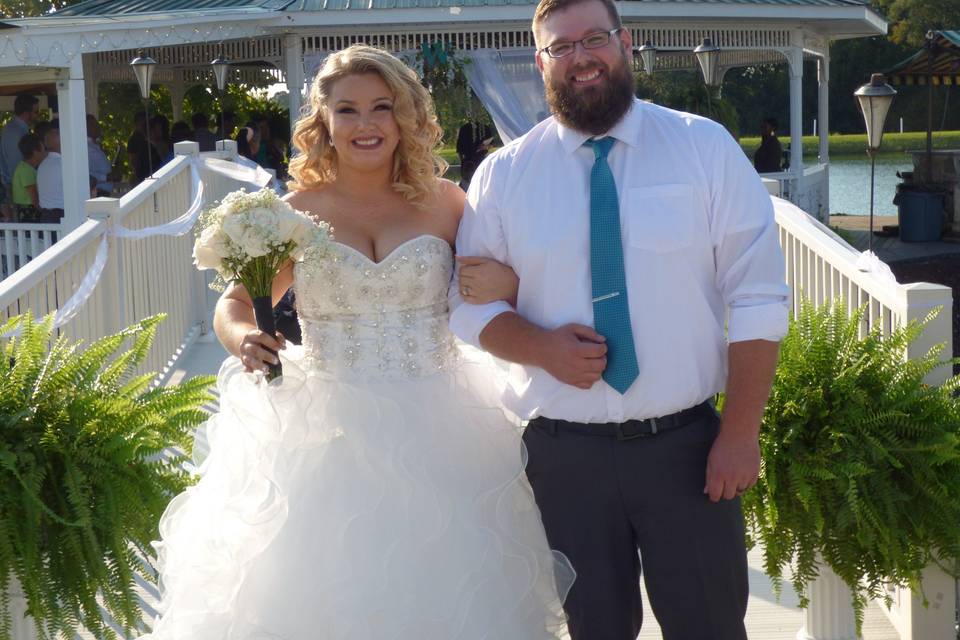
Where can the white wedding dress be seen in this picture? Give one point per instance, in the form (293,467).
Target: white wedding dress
(375,493)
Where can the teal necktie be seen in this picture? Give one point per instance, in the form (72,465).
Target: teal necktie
(611,313)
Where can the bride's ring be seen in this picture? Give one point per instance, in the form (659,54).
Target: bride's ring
(465,291)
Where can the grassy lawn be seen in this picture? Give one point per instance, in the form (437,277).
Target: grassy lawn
(856,144)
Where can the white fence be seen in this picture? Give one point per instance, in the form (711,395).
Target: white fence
(140,277)
(810,192)
(820,268)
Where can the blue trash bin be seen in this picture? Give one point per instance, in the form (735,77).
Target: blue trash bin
(920,214)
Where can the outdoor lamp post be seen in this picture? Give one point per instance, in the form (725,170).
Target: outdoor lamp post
(143,69)
(874,100)
(708,55)
(648,55)
(220,65)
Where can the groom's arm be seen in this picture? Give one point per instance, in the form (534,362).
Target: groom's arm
(574,354)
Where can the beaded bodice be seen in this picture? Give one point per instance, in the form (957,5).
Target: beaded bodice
(377,319)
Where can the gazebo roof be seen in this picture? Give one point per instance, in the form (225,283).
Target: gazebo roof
(946,63)
(127,7)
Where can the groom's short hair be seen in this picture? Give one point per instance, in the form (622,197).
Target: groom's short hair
(547,7)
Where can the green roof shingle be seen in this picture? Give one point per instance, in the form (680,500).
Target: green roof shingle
(132,7)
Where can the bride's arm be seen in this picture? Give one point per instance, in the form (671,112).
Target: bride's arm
(235,326)
(484,280)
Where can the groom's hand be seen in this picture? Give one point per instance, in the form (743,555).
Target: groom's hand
(575,354)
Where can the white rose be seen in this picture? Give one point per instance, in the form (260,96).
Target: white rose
(235,227)
(254,244)
(287,225)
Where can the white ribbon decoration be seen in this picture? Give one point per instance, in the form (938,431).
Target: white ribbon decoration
(255,175)
(871,263)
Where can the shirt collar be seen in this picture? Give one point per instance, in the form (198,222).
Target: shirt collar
(627,130)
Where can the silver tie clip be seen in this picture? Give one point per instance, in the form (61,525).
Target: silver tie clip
(607,296)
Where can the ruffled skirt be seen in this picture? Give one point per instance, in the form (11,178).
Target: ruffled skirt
(361,510)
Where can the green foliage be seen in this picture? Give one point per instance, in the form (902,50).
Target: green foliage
(83,480)
(453,100)
(685,91)
(911,19)
(861,459)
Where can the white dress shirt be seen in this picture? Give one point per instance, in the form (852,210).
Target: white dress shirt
(50,181)
(701,255)
(100,166)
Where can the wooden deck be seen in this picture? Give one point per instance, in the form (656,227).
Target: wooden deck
(890,248)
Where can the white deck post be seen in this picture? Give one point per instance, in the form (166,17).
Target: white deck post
(823,106)
(293,59)
(111,282)
(73,144)
(795,58)
(830,614)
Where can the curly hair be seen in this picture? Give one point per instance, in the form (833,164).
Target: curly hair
(416,165)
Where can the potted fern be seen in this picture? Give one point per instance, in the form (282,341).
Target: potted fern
(861,459)
(83,482)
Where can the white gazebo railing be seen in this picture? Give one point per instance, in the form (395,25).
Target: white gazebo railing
(127,278)
(822,267)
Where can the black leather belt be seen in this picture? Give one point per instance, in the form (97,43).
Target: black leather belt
(631,428)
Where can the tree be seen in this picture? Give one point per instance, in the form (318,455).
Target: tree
(31,8)
(911,19)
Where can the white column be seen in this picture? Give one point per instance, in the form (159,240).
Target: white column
(91,86)
(795,58)
(73,144)
(823,106)
(293,63)
(177,90)
(830,614)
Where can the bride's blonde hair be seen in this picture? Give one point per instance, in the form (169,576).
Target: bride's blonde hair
(416,166)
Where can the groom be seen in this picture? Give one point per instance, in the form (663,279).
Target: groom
(651,279)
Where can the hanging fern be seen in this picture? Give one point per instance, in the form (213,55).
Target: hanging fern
(860,459)
(83,480)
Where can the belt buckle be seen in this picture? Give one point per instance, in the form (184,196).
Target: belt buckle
(622,436)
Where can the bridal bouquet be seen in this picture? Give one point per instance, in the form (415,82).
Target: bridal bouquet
(247,238)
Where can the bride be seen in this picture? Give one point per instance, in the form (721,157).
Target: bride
(376,492)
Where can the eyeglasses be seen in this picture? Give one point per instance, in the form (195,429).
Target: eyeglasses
(592,41)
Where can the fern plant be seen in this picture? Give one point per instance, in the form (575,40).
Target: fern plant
(82,479)
(860,459)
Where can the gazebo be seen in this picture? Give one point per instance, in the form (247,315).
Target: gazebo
(269,41)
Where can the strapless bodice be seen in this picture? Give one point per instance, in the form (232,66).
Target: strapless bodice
(374,319)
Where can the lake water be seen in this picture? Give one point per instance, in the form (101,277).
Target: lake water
(850,184)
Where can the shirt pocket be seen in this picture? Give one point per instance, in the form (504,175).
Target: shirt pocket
(659,218)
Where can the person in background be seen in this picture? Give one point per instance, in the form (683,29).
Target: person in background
(50,179)
(25,111)
(26,200)
(229,121)
(767,158)
(248,141)
(270,155)
(160,137)
(100,166)
(140,152)
(201,132)
(473,144)
(180,132)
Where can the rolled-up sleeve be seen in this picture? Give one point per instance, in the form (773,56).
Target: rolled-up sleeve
(481,234)
(749,261)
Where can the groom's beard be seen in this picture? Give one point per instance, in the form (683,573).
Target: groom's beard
(593,110)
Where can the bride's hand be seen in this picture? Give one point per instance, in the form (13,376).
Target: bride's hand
(484,280)
(258,350)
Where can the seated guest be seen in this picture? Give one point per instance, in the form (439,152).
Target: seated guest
(180,132)
(100,166)
(767,158)
(26,200)
(202,134)
(50,179)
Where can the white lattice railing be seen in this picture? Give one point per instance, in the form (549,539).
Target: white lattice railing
(822,267)
(140,277)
